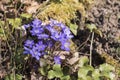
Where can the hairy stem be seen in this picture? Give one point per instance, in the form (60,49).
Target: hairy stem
(91,48)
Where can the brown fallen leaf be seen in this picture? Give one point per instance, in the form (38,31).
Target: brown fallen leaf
(62,54)
(74,59)
(32,8)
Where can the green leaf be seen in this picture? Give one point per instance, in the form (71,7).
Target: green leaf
(11,77)
(96,74)
(88,78)
(11,21)
(98,32)
(15,23)
(85,78)
(58,74)
(65,77)
(57,70)
(18,77)
(73,28)
(84,71)
(57,67)
(106,67)
(112,76)
(26,15)
(109,75)
(83,61)
(43,70)
(51,74)
(91,27)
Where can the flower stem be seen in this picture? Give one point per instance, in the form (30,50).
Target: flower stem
(91,48)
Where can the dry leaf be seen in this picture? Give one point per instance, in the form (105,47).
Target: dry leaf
(33,6)
(26,1)
(32,9)
(61,52)
(62,57)
(73,60)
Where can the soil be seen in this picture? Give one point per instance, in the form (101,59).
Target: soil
(105,15)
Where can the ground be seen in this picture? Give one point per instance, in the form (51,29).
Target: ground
(105,14)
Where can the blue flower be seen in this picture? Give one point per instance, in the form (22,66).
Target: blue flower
(26,50)
(36,31)
(56,36)
(36,23)
(43,36)
(65,46)
(49,43)
(57,60)
(53,22)
(35,53)
(46,36)
(29,43)
(67,33)
(50,29)
(26,26)
(40,46)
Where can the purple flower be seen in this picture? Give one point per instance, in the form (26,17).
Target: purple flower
(49,43)
(43,53)
(46,36)
(53,22)
(56,36)
(26,50)
(26,26)
(29,43)
(67,33)
(57,60)
(36,31)
(40,46)
(35,53)
(43,36)
(65,46)
(50,29)
(36,23)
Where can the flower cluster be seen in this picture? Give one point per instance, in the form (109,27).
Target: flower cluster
(44,36)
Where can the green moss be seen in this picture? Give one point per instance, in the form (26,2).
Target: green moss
(63,11)
(110,60)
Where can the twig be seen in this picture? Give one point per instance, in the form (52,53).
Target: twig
(83,44)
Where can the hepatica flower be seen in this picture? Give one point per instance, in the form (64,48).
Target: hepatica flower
(36,23)
(44,36)
(29,43)
(40,46)
(35,53)
(57,60)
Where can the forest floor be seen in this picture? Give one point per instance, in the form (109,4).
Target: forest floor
(105,14)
